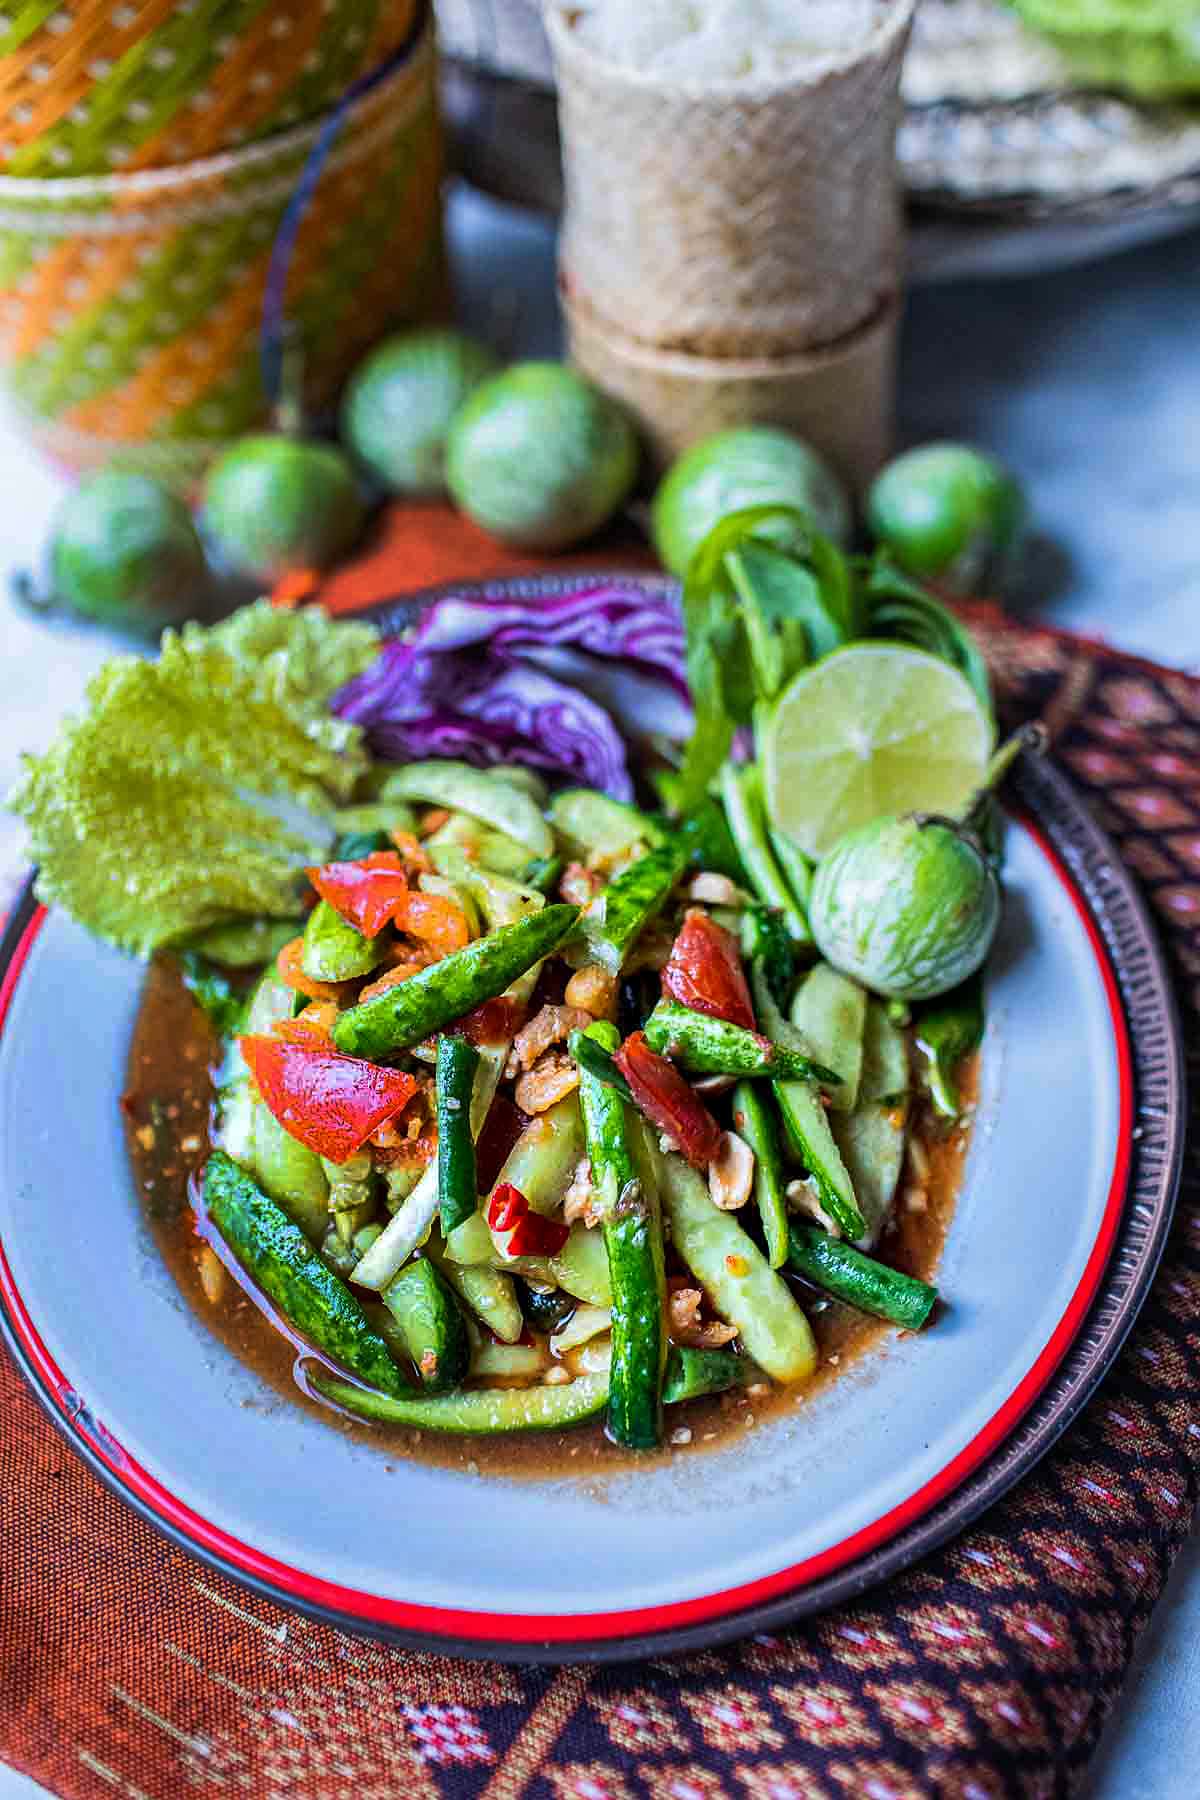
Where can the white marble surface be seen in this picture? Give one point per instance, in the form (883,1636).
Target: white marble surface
(1088,383)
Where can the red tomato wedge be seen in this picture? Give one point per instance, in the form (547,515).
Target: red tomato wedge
(667,1101)
(704,971)
(365,893)
(329,1102)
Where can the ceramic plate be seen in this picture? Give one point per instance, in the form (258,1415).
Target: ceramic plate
(1063,1214)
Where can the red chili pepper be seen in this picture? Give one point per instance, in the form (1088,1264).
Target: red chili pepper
(667,1101)
(493,1022)
(535,1236)
(529,1234)
(366,893)
(329,1102)
(507,1207)
(704,971)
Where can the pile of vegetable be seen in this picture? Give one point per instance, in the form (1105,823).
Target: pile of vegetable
(580,970)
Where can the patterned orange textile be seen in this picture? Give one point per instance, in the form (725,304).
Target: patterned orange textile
(986,1671)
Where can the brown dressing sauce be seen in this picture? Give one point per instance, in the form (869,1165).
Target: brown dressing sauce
(167,1107)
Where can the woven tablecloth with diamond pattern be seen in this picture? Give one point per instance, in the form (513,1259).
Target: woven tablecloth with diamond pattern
(128,1669)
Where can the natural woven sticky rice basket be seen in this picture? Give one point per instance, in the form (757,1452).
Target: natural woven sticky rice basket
(839,398)
(89,87)
(748,219)
(130,306)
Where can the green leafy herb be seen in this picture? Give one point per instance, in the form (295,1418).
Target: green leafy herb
(196,788)
(214,992)
(764,595)
(899,607)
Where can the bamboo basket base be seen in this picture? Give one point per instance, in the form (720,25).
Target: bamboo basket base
(841,399)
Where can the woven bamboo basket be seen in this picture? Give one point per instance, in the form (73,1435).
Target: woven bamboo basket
(840,399)
(130,306)
(743,219)
(92,86)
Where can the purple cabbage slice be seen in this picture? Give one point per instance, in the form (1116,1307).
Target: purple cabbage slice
(555,681)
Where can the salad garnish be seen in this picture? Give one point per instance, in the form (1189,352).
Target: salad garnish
(583,969)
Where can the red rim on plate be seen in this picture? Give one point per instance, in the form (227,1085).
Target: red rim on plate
(971,1480)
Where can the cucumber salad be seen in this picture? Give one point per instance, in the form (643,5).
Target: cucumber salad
(591,975)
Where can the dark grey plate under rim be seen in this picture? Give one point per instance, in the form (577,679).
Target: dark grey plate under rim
(1050,802)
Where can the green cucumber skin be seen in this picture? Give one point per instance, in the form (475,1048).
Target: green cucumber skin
(588,822)
(504,806)
(618,915)
(857,1279)
(753,1120)
(710,1046)
(491,1411)
(276,1253)
(806,1127)
(335,950)
(830,1013)
(812,1143)
(404,1015)
(457,1061)
(597,1061)
(422,1303)
(633,1239)
(475,1411)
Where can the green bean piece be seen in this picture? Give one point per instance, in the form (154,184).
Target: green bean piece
(753,1120)
(947,1032)
(458,1198)
(858,1279)
(691,1373)
(707,1046)
(404,1015)
(620,912)
(599,1063)
(632,1226)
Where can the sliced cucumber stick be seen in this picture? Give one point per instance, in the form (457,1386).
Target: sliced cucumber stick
(276,1253)
(435,1335)
(829,1011)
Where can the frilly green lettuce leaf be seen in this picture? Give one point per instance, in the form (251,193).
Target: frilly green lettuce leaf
(195,789)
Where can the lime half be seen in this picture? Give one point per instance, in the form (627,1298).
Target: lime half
(872,729)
